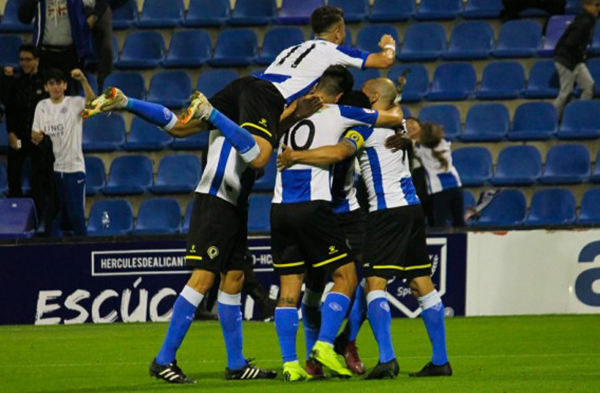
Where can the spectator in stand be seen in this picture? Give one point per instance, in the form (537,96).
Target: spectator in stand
(99,19)
(512,8)
(570,54)
(419,177)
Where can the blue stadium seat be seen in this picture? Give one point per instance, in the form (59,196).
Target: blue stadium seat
(593,66)
(177,174)
(555,28)
(392,10)
(567,164)
(594,49)
(590,208)
(160,14)
(129,175)
(502,81)
(188,49)
(131,83)
(439,9)
(453,82)
(267,181)
(474,165)
(278,39)
(188,216)
(259,213)
(3,137)
(144,49)
(3,179)
(518,166)
(580,120)
(519,38)
(354,10)
(212,81)
(596,175)
(552,207)
(534,121)
(254,12)
(93,84)
(125,15)
(120,218)
(361,76)
(446,115)
(103,133)
(417,81)
(406,111)
(95,175)
(18,218)
(543,80)
(370,35)
(203,13)
(158,216)
(423,42)
(235,47)
(573,7)
(470,41)
(10,19)
(9,51)
(483,9)
(468,200)
(194,142)
(170,88)
(507,209)
(486,123)
(144,136)
(294,12)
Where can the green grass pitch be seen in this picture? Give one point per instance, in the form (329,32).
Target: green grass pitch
(500,354)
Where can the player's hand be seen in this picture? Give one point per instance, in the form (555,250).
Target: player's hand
(9,71)
(78,75)
(285,159)
(36,137)
(91,21)
(387,39)
(13,141)
(398,142)
(307,106)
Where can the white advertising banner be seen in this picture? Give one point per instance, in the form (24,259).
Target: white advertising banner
(533,272)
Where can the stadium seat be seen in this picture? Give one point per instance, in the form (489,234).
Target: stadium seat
(170,88)
(9,51)
(502,81)
(417,81)
(188,49)
(474,165)
(423,42)
(543,80)
(18,218)
(3,179)
(392,10)
(593,66)
(267,181)
(580,120)
(483,9)
(552,207)
(177,174)
(573,7)
(518,166)
(468,200)
(594,49)
(453,82)
(159,14)
(470,41)
(507,209)
(185,228)
(253,12)
(203,13)
(158,216)
(144,49)
(129,175)
(103,133)
(212,81)
(144,136)
(278,39)
(439,9)
(10,19)
(567,164)
(370,35)
(194,142)
(590,208)
(235,47)
(125,15)
(259,213)
(486,123)
(131,83)
(534,121)
(95,175)
(294,12)
(354,10)
(361,76)
(406,111)
(120,218)
(596,175)
(446,115)
(519,38)
(555,28)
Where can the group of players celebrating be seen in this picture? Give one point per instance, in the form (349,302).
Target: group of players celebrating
(304,105)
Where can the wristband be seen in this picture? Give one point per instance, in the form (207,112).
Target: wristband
(390,46)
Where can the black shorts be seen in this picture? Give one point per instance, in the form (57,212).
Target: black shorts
(256,105)
(353,225)
(217,237)
(306,236)
(396,243)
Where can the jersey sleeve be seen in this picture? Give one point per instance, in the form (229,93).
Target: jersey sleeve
(354,117)
(357,136)
(350,57)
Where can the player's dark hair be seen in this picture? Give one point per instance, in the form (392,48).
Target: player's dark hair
(430,137)
(31,49)
(54,74)
(355,98)
(335,80)
(324,18)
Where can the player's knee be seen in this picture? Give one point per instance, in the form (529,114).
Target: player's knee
(376,284)
(232,282)
(346,276)
(421,286)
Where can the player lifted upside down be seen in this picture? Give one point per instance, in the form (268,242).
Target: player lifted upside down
(217,236)
(395,243)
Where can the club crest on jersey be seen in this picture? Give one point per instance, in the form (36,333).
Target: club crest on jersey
(332,250)
(212,252)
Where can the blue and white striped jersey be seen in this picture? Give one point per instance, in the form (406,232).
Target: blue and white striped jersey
(438,178)
(342,187)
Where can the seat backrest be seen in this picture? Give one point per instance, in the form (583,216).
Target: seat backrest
(159,213)
(568,159)
(259,213)
(473,161)
(279,38)
(354,7)
(509,75)
(535,116)
(416,81)
(95,171)
(211,81)
(472,35)
(208,9)
(520,34)
(581,115)
(190,43)
(128,11)
(519,161)
(361,76)
(131,83)
(557,205)
(144,45)
(406,7)
(131,170)
(543,75)
(18,217)
(104,128)
(509,207)
(295,8)
(120,214)
(369,36)
(9,50)
(487,119)
(590,208)
(483,8)
(188,216)
(249,8)
(454,77)
(159,9)
(446,115)
(557,25)
(179,169)
(237,42)
(142,131)
(421,37)
(169,84)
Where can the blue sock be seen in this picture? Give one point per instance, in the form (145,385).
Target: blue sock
(152,113)
(240,139)
(183,315)
(311,318)
(358,314)
(433,316)
(286,324)
(230,316)
(380,319)
(333,313)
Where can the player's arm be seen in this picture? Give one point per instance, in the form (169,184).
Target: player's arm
(300,109)
(386,57)
(79,76)
(322,156)
(393,118)
(266,149)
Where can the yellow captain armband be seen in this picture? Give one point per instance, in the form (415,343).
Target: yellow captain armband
(355,137)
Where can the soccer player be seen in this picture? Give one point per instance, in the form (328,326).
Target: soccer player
(396,243)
